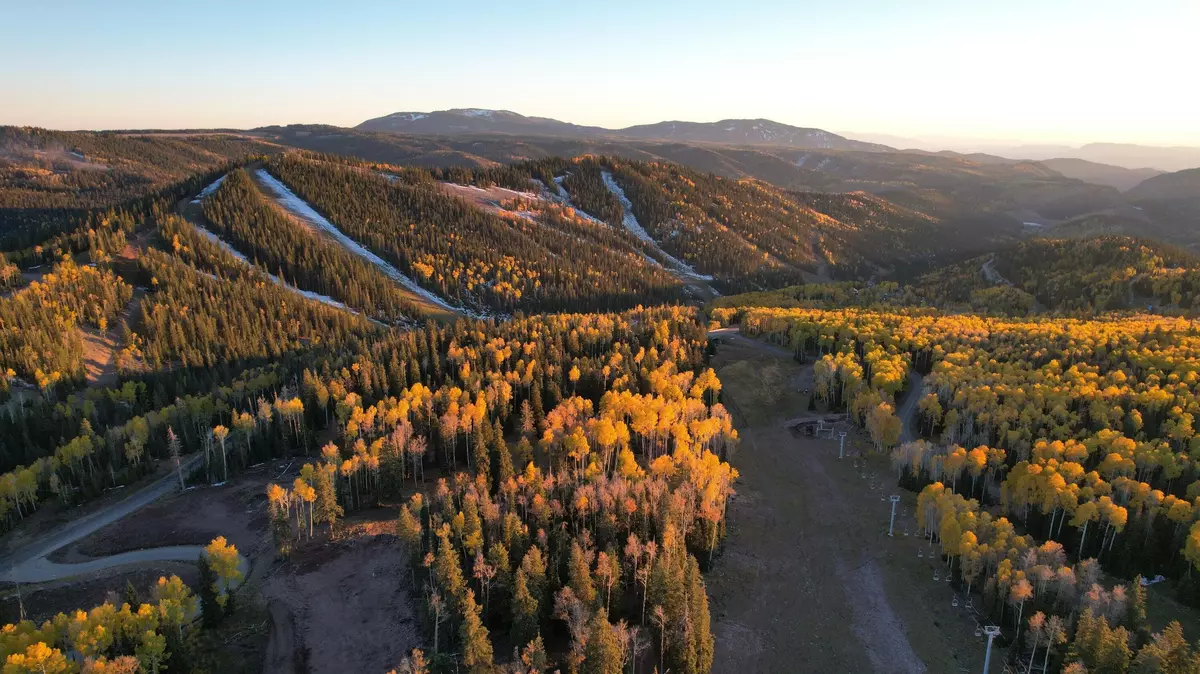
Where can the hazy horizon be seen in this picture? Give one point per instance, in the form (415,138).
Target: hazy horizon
(1036,73)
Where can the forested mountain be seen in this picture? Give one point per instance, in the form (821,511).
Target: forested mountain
(1178,185)
(745,234)
(519,257)
(748,132)
(475,120)
(239,214)
(991,199)
(470,121)
(1100,174)
(1088,275)
(55,182)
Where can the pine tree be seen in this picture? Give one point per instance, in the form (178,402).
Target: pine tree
(502,457)
(525,625)
(534,656)
(534,567)
(522,454)
(700,636)
(580,576)
(328,510)
(211,612)
(480,456)
(410,531)
(1139,625)
(1168,652)
(476,647)
(447,571)
(603,652)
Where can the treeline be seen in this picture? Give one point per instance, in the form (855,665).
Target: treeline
(238,214)
(469,256)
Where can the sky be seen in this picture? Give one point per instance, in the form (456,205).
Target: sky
(1034,71)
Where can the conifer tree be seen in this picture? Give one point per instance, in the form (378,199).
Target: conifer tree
(328,510)
(476,647)
(525,622)
(580,576)
(603,653)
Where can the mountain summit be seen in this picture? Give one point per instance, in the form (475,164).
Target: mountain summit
(475,120)
(460,121)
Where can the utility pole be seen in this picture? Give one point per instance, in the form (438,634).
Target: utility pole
(991,631)
(842,445)
(895,499)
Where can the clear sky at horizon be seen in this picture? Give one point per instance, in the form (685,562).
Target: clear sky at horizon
(1068,71)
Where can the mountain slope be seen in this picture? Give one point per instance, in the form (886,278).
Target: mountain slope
(1100,274)
(468,121)
(1100,174)
(474,120)
(1177,185)
(745,233)
(748,132)
(984,193)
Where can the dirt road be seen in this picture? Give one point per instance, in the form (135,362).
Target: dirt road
(733,335)
(29,565)
(908,407)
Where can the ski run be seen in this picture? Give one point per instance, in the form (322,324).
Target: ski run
(631,223)
(298,207)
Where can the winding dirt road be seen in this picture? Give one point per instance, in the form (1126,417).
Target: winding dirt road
(30,564)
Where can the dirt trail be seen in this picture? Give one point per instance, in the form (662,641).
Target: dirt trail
(908,407)
(100,349)
(990,273)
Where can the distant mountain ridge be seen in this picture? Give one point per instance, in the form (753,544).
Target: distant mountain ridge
(463,121)
(1178,185)
(1101,174)
(459,121)
(748,132)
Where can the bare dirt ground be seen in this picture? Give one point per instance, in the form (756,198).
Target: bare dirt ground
(100,348)
(237,511)
(341,607)
(811,582)
(46,600)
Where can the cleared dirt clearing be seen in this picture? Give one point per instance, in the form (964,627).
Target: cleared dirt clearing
(811,582)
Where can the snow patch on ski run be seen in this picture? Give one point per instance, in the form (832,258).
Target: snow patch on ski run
(631,223)
(323,299)
(209,190)
(562,191)
(299,207)
(561,196)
